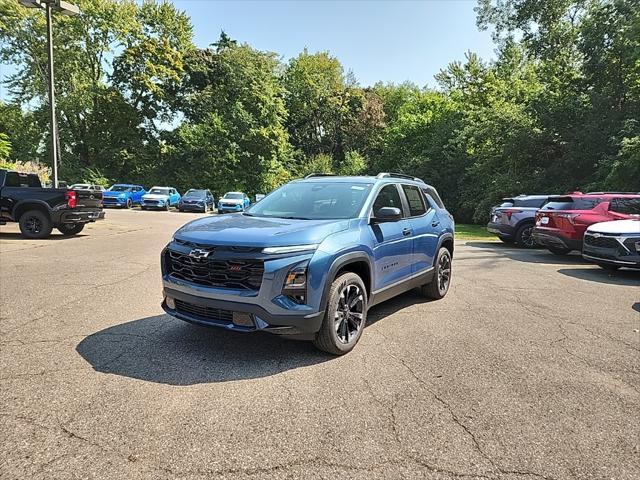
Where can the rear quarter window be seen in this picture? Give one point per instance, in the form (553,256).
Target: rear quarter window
(628,206)
(415,200)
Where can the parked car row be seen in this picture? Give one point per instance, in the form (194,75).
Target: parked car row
(604,226)
(126,195)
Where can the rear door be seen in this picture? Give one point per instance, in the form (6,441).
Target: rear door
(392,244)
(425,228)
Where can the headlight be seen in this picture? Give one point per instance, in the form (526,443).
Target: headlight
(295,283)
(290,249)
(122,195)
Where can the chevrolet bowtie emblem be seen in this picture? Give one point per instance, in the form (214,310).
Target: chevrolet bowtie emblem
(199,253)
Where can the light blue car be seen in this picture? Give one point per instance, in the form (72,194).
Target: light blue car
(233,202)
(160,198)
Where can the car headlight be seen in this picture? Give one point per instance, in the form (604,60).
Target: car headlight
(290,249)
(295,283)
(122,195)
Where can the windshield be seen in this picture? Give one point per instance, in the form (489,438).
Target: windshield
(314,201)
(159,191)
(195,194)
(80,186)
(233,196)
(120,188)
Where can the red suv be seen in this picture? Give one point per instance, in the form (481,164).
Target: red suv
(562,221)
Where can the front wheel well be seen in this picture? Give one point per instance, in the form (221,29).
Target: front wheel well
(360,268)
(448,244)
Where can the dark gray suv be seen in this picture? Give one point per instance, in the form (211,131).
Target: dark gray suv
(513,220)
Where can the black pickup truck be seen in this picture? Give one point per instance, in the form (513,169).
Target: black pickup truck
(38,210)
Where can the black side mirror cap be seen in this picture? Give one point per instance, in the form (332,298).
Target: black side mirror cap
(387,214)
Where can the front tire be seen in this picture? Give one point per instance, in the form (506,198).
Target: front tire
(345,315)
(35,224)
(68,229)
(524,237)
(439,286)
(129,203)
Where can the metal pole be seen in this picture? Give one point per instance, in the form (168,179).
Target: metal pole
(52,99)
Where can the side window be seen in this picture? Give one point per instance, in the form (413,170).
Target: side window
(628,206)
(388,196)
(415,200)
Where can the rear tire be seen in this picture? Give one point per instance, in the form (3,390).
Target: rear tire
(439,286)
(35,224)
(559,251)
(524,237)
(345,316)
(70,229)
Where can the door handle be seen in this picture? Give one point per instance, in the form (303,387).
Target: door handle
(435,224)
(406,231)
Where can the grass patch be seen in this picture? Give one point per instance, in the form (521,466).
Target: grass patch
(466,231)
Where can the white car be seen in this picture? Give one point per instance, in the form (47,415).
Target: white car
(87,186)
(233,202)
(613,244)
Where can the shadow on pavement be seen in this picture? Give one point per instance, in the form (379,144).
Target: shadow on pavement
(393,305)
(600,275)
(636,307)
(537,255)
(54,236)
(165,350)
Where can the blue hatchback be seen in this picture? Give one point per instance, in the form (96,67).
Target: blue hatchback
(123,195)
(311,258)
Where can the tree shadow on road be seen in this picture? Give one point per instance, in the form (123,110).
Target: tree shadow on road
(600,275)
(164,350)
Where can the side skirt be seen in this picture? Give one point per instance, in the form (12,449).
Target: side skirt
(417,280)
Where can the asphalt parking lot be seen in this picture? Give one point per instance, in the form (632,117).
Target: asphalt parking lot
(528,369)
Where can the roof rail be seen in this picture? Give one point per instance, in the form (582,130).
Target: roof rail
(311,175)
(611,193)
(398,175)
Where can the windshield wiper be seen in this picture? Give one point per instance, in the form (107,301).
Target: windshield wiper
(294,218)
(246,214)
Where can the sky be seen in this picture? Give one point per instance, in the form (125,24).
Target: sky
(389,41)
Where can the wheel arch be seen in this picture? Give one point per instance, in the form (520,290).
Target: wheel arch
(355,262)
(22,207)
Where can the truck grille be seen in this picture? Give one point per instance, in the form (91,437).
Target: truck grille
(239,274)
(204,312)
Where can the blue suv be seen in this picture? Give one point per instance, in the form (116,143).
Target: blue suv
(311,258)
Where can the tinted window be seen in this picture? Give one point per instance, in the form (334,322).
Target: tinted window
(529,202)
(573,204)
(388,196)
(506,204)
(629,206)
(15,179)
(120,188)
(313,200)
(434,195)
(415,200)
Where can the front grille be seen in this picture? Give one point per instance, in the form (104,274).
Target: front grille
(109,200)
(204,312)
(239,274)
(631,242)
(601,242)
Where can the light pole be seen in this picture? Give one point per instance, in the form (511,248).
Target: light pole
(64,8)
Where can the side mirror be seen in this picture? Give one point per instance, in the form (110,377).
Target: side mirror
(387,214)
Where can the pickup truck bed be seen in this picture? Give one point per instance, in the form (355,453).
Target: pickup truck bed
(38,210)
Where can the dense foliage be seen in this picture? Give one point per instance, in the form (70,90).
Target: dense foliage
(558,110)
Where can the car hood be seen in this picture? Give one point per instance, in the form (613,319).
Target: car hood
(616,226)
(155,196)
(242,230)
(109,193)
(232,201)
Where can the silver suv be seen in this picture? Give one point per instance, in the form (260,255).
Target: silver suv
(513,220)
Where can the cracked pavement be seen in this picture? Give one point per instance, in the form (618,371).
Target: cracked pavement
(529,369)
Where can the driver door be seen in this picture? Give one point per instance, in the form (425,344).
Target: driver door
(392,241)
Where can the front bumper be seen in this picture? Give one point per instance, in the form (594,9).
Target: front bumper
(555,240)
(190,207)
(154,204)
(229,208)
(187,307)
(114,202)
(501,230)
(627,255)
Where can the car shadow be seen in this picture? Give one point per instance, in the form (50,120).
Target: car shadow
(636,307)
(535,255)
(164,350)
(395,304)
(618,277)
(54,236)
